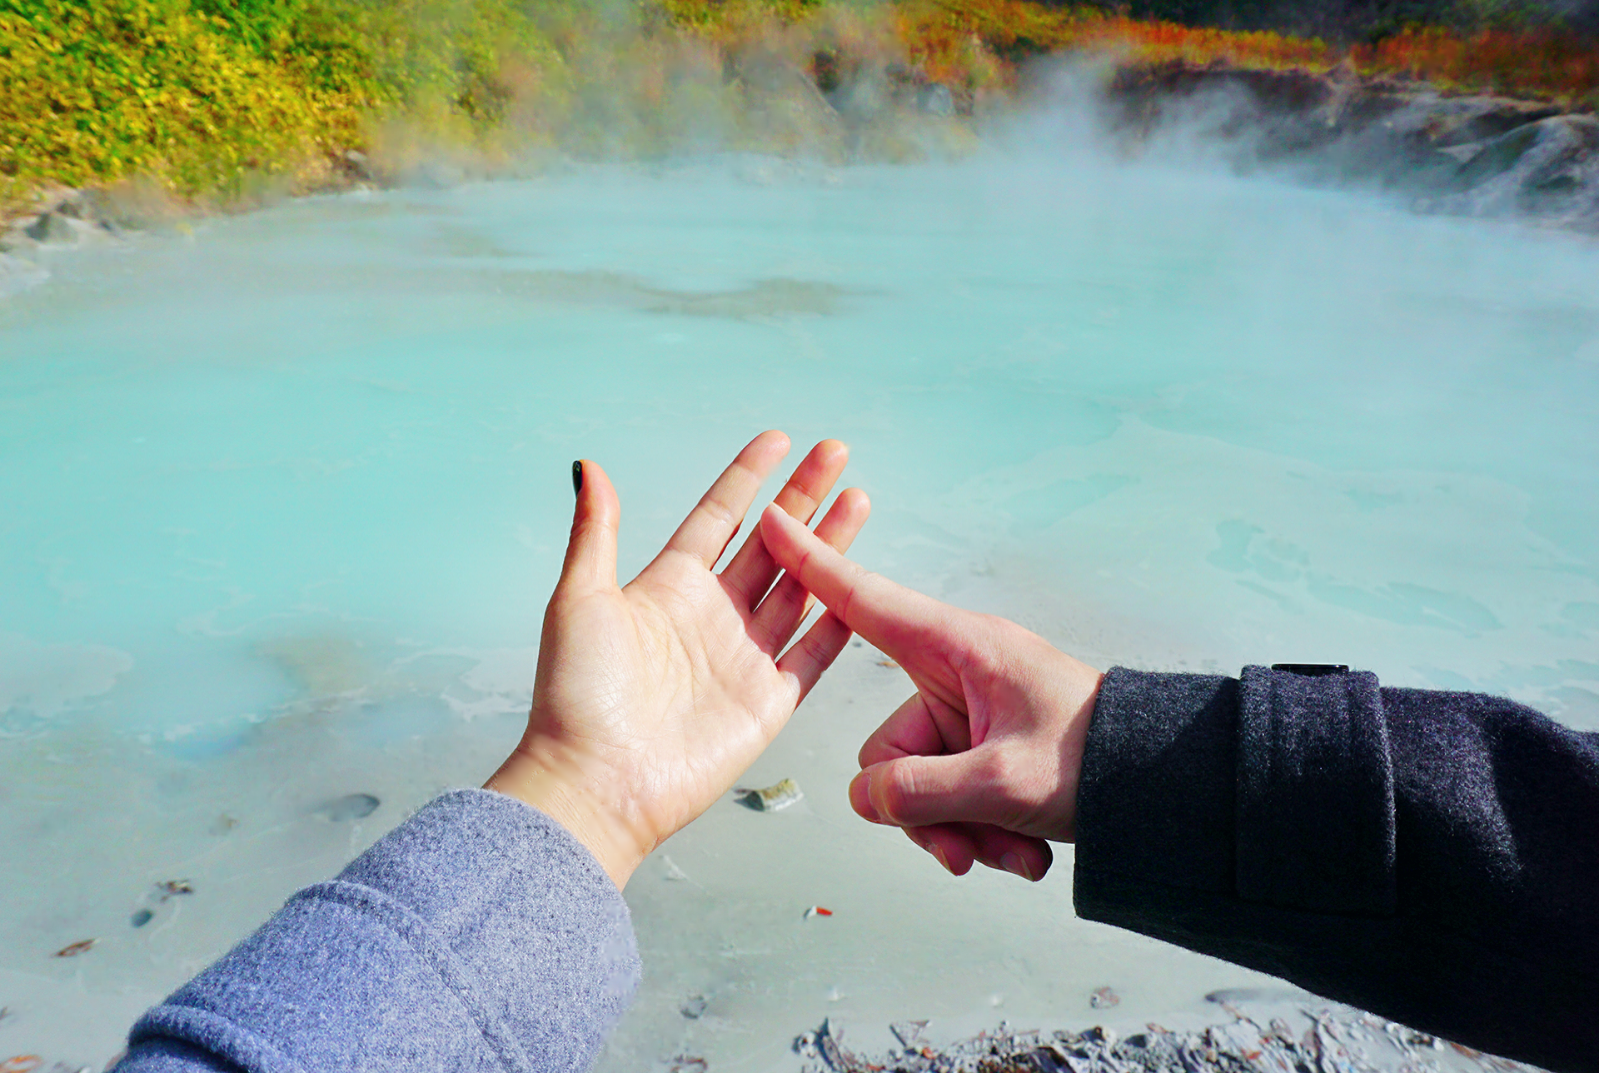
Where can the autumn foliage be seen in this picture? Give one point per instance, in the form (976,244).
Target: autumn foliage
(210,98)
(1532,63)
(1536,63)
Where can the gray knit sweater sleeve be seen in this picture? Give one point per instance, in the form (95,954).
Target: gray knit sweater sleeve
(477,935)
(1430,856)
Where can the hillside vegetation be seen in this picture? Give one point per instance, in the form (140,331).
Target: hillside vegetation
(223,101)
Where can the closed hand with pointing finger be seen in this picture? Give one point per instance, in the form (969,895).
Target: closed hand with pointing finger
(982,763)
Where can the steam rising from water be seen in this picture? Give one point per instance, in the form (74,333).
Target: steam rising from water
(284,503)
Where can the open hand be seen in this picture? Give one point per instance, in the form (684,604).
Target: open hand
(982,763)
(651,700)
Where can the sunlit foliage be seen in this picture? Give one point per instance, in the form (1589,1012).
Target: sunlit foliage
(214,97)
(1535,63)
(227,99)
(93,91)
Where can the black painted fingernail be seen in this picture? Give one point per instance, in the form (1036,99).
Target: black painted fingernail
(577,478)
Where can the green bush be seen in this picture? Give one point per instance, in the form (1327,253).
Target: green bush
(209,96)
(94,90)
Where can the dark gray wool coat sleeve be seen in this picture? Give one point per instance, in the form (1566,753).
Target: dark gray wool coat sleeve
(478,935)
(1433,857)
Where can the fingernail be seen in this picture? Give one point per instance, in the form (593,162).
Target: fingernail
(577,477)
(938,851)
(1013,863)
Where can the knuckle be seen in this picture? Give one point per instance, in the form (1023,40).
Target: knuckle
(1008,780)
(998,769)
(898,792)
(806,492)
(719,511)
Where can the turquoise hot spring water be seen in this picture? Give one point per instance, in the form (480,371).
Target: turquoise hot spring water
(281,502)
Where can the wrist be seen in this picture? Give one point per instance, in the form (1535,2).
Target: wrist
(573,791)
(1086,683)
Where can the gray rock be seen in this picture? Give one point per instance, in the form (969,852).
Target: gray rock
(358,164)
(124,208)
(53,229)
(1442,122)
(1550,167)
(93,213)
(936,99)
(862,98)
(77,205)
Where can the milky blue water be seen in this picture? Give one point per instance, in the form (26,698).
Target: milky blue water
(281,501)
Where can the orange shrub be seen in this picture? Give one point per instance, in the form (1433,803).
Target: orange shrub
(1539,63)
(944,36)
(941,37)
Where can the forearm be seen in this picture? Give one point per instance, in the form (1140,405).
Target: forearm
(477,935)
(1426,855)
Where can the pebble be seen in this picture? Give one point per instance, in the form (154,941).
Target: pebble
(694,1007)
(909,1033)
(777,796)
(1104,998)
(141,918)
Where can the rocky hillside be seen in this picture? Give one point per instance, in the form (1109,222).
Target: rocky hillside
(1460,154)
(126,112)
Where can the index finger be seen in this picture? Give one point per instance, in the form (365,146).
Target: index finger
(892,617)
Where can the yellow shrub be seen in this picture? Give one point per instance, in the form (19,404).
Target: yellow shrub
(93,92)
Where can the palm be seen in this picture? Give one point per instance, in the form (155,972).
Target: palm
(671,686)
(677,685)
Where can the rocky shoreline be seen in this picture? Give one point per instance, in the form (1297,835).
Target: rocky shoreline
(1256,1037)
(1470,155)
(1474,155)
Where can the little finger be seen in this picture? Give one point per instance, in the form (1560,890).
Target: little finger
(1008,851)
(948,844)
